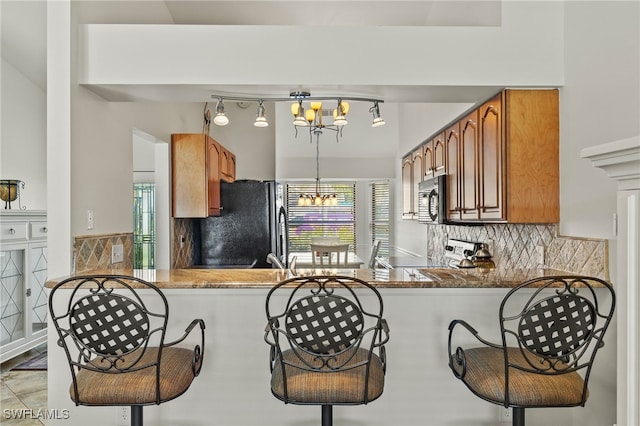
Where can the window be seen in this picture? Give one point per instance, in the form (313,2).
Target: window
(317,221)
(380,216)
(144,226)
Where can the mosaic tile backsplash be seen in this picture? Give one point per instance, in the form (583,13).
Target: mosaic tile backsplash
(94,251)
(514,247)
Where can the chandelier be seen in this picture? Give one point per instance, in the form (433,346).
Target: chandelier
(318,199)
(309,116)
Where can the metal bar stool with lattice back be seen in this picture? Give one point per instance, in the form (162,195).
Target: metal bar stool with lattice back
(551,328)
(114,341)
(327,338)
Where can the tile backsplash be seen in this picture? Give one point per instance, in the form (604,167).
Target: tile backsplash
(514,247)
(92,252)
(184,244)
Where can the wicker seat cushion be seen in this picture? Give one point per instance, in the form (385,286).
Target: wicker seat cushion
(340,387)
(485,377)
(138,387)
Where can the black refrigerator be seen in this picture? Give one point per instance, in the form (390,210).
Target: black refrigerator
(252,224)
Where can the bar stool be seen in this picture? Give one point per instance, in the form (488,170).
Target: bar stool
(546,342)
(327,344)
(114,343)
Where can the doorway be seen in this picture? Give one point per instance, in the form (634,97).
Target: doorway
(151,214)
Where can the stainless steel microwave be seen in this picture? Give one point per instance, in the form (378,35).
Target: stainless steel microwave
(432,202)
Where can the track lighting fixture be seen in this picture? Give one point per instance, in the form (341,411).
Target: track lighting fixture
(261,120)
(220,119)
(377,120)
(310,116)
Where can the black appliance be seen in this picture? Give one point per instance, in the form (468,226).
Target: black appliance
(432,201)
(251,225)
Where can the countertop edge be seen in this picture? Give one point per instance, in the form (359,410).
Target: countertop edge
(380,278)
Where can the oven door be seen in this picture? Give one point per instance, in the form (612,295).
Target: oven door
(432,200)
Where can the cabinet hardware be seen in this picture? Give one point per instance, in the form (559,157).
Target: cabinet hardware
(44,229)
(12,231)
(28,292)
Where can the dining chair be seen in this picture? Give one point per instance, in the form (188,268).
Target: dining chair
(114,341)
(329,254)
(551,329)
(327,342)
(325,240)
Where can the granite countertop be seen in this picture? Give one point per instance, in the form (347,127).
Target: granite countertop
(381,278)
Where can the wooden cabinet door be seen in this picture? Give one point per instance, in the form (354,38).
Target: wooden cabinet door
(491,160)
(452,141)
(407,187)
(427,150)
(417,164)
(214,157)
(469,134)
(189,175)
(439,155)
(227,165)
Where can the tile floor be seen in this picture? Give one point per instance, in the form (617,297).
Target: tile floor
(23,390)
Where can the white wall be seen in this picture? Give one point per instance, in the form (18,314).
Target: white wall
(23,138)
(416,123)
(253,146)
(599,103)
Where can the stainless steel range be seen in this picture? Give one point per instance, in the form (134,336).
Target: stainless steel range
(456,251)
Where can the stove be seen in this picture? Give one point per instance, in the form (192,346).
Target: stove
(457,250)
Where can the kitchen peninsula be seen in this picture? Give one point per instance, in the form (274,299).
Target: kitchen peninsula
(418,304)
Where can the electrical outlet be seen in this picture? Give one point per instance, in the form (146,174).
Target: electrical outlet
(540,255)
(89,219)
(123,416)
(117,253)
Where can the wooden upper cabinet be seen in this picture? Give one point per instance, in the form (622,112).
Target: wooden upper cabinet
(434,153)
(501,159)
(197,162)
(439,155)
(428,160)
(417,160)
(452,144)
(532,160)
(407,188)
(509,160)
(468,165)
(491,160)
(227,166)
(214,158)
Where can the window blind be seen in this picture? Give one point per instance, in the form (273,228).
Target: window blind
(306,222)
(380,216)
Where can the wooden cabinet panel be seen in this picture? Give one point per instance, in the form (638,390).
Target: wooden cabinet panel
(491,160)
(197,165)
(189,177)
(439,155)
(417,160)
(407,186)
(434,154)
(468,160)
(214,158)
(452,143)
(532,139)
(429,159)
(227,166)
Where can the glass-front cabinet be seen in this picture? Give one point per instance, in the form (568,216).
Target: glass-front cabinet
(23,273)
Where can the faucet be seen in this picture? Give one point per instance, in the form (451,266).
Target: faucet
(273,259)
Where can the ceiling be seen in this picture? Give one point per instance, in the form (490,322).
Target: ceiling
(24,36)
